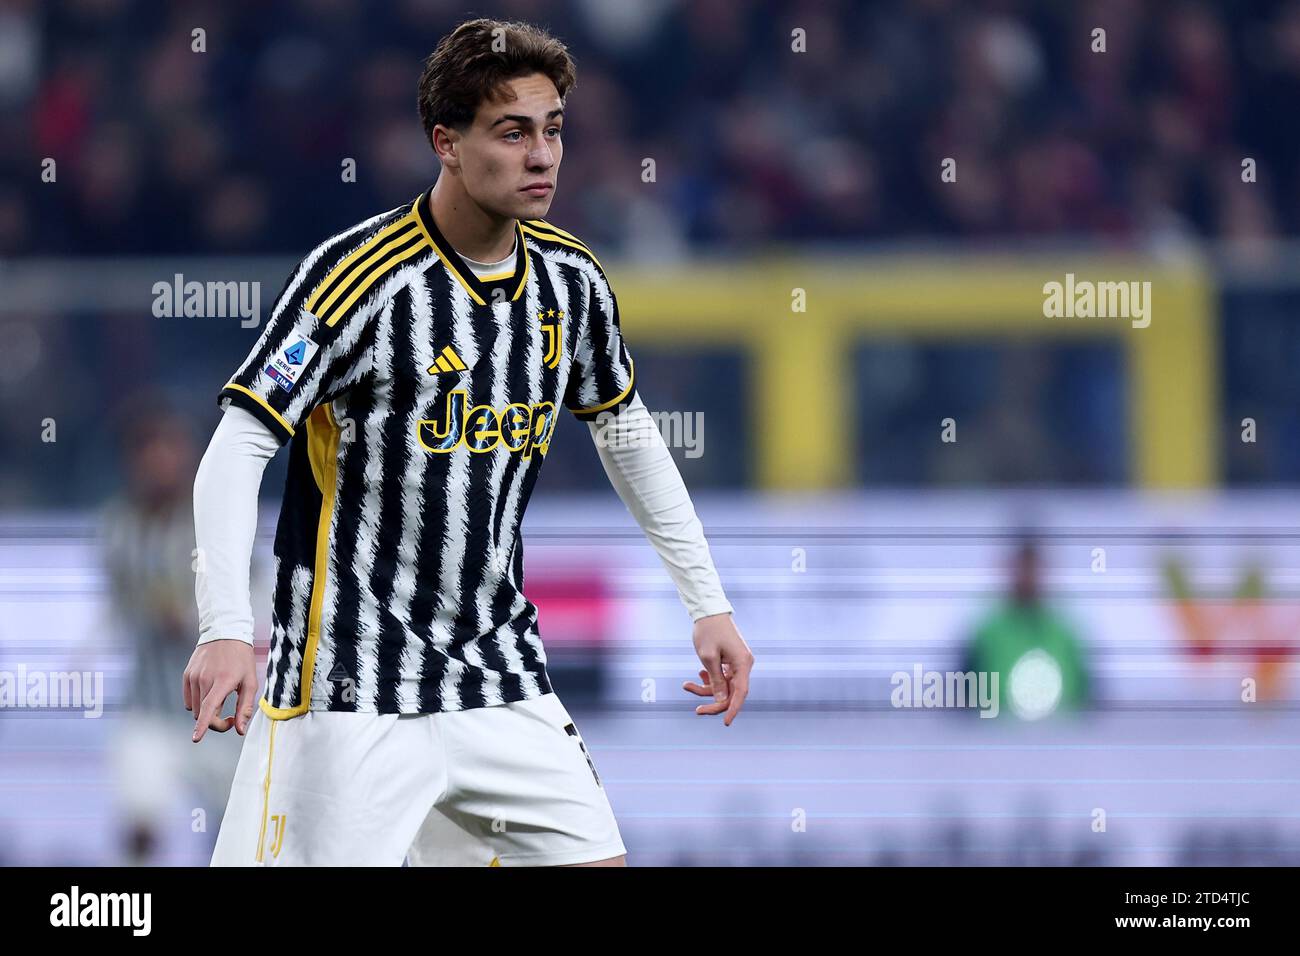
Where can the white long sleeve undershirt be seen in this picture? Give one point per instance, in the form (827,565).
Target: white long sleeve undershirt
(225,523)
(631,449)
(643,472)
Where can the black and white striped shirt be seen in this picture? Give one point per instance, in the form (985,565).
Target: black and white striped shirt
(419,401)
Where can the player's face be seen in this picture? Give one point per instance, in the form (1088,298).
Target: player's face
(511,153)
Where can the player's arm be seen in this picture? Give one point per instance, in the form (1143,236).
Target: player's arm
(225,526)
(643,472)
(601,391)
(299,361)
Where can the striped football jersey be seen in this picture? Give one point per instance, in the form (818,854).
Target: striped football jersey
(419,401)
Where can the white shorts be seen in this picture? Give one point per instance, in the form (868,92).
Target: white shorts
(506,785)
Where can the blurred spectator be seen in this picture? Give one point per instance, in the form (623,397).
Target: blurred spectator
(238,147)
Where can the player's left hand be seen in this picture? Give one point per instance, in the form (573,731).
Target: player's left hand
(727,662)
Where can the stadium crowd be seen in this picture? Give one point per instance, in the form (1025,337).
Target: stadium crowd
(240,148)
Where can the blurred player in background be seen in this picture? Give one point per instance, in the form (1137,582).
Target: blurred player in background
(148,545)
(1034,651)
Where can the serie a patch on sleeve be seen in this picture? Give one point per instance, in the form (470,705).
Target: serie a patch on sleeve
(288,363)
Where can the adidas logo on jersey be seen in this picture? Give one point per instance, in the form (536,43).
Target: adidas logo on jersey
(447,361)
(517,427)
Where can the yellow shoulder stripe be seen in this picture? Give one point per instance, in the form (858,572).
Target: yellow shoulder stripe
(543,224)
(555,237)
(363,267)
(364,249)
(377,272)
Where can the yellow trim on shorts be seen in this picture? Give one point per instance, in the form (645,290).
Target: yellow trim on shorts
(266,792)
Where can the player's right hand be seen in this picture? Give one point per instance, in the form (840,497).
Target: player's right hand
(215,670)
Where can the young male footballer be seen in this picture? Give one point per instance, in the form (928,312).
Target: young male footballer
(416,364)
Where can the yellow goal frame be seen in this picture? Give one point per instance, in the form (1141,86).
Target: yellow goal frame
(801,401)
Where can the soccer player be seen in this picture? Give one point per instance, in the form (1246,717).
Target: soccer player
(147,536)
(416,364)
